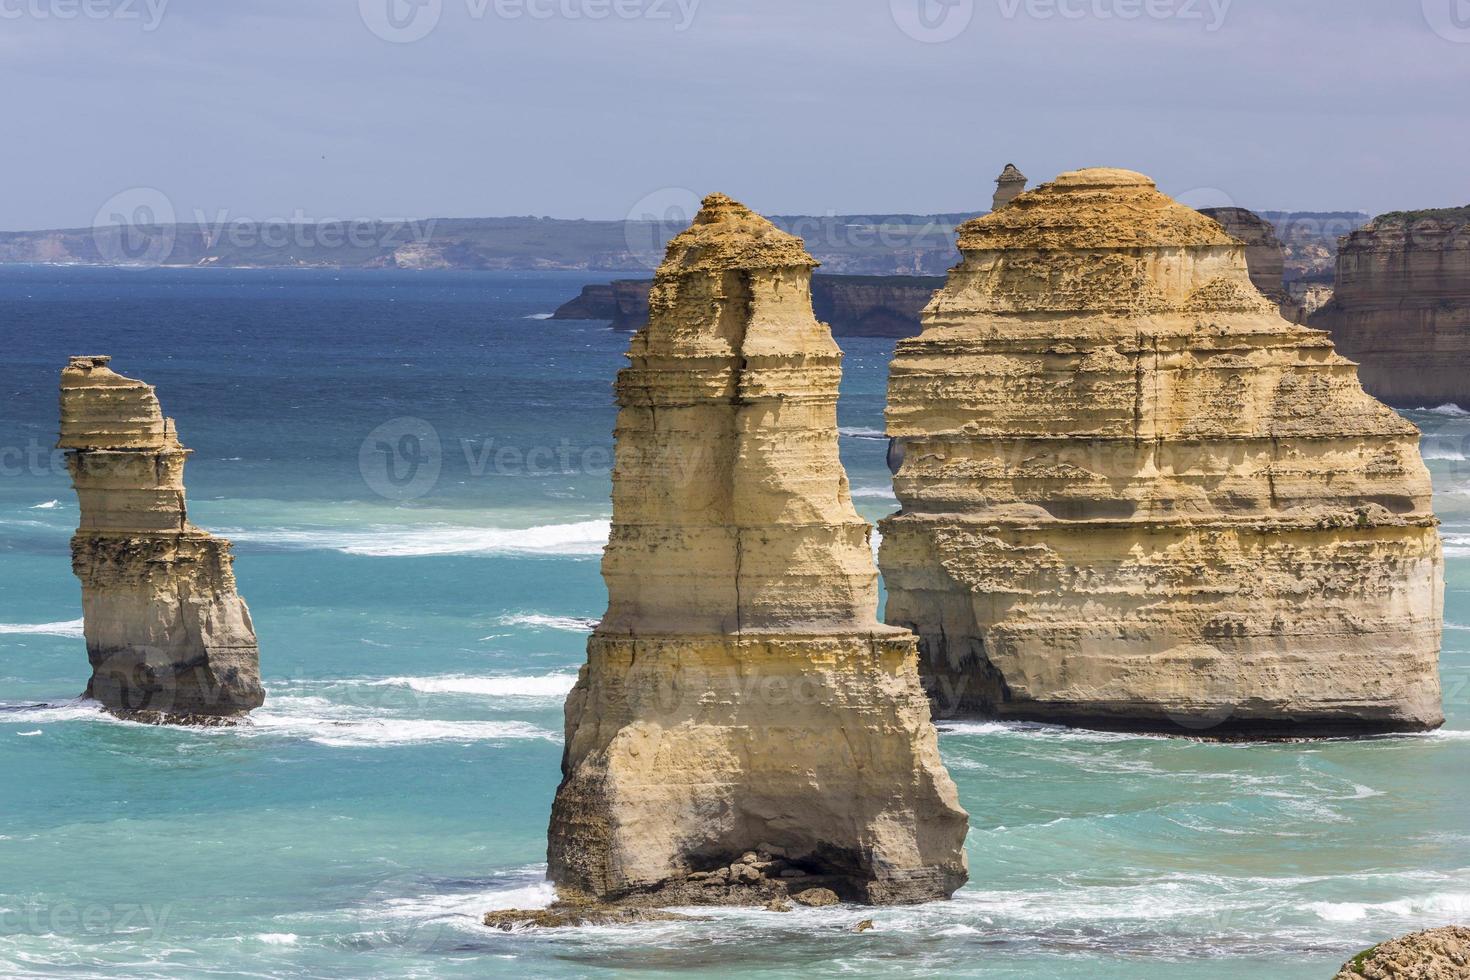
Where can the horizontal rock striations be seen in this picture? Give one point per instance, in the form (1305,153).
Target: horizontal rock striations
(743,723)
(1401,307)
(1133,496)
(1265,256)
(168,637)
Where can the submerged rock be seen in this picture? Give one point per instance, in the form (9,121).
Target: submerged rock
(742,712)
(572,915)
(1135,497)
(1439,954)
(169,639)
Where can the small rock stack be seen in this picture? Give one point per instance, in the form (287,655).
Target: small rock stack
(169,639)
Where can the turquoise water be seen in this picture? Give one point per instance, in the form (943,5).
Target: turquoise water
(417,646)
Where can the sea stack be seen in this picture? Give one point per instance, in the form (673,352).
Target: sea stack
(1402,306)
(1008,186)
(169,639)
(1135,497)
(744,728)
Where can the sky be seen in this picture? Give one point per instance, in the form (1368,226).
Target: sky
(324,110)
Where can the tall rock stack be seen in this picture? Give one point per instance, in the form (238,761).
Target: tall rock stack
(1402,307)
(744,727)
(168,637)
(1133,496)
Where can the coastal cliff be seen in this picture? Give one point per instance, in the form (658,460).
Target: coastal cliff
(1265,256)
(1134,496)
(1401,307)
(853,306)
(168,637)
(744,728)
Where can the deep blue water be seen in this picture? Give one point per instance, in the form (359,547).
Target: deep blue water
(419,628)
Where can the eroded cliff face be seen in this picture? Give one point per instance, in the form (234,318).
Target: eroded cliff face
(1265,256)
(744,727)
(168,637)
(1401,307)
(1136,497)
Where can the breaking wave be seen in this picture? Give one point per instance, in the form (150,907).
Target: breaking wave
(544,686)
(873,493)
(570,624)
(389,541)
(1450,409)
(71,629)
(861,432)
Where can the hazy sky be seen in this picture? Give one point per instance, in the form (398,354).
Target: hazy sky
(327,109)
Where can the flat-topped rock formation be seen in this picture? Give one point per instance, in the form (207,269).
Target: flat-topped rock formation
(744,728)
(1265,256)
(168,637)
(1133,496)
(1401,307)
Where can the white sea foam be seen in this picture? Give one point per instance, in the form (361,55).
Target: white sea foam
(339,731)
(543,686)
(53,712)
(1457,545)
(873,493)
(1450,409)
(1441,450)
(1034,729)
(536,895)
(540,316)
(71,629)
(277,938)
(396,541)
(862,432)
(570,624)
(30,734)
(48,505)
(1439,906)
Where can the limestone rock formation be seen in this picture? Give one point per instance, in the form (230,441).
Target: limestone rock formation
(1265,256)
(740,694)
(1008,186)
(168,637)
(1439,954)
(1401,307)
(1133,496)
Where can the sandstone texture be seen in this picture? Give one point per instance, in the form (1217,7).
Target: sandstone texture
(1439,954)
(168,637)
(744,728)
(1265,256)
(1134,496)
(1401,307)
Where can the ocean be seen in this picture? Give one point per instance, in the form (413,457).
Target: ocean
(414,469)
